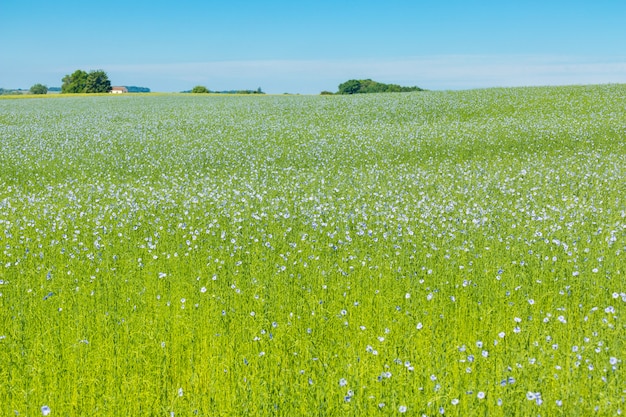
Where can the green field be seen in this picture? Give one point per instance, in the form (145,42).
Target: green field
(456,253)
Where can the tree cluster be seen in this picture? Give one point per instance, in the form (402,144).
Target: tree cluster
(135,89)
(369,86)
(39,89)
(200,89)
(96,81)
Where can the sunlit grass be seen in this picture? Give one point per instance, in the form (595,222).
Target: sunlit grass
(456,253)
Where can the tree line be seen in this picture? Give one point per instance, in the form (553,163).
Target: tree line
(200,89)
(369,86)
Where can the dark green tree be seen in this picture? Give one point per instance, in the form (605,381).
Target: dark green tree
(350,87)
(74,83)
(97,82)
(39,89)
(200,89)
(369,86)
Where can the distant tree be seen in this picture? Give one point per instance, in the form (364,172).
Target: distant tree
(200,89)
(369,86)
(97,82)
(135,89)
(74,83)
(326,93)
(79,81)
(39,89)
(350,87)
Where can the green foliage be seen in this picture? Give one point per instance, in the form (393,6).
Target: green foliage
(96,81)
(200,89)
(326,93)
(39,89)
(74,83)
(369,86)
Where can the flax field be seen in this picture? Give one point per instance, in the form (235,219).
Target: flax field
(424,254)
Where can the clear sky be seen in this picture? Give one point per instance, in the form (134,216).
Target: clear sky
(303,46)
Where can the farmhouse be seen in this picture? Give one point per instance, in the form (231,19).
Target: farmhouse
(119,90)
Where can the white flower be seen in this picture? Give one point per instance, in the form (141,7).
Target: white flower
(481,395)
(45,410)
(402,409)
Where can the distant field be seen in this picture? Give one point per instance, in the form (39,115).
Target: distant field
(455,253)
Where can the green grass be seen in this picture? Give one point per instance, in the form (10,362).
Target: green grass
(292,255)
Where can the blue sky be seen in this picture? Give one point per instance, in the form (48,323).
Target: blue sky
(309,46)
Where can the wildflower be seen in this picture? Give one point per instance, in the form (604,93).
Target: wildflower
(480,395)
(45,410)
(203,290)
(402,409)
(534,396)
(455,401)
(419,326)
(180,392)
(343,382)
